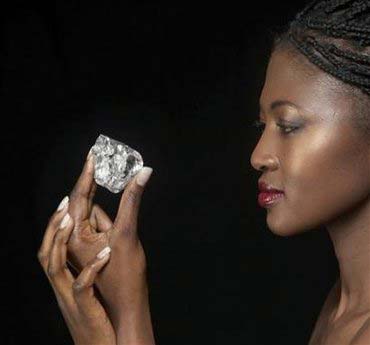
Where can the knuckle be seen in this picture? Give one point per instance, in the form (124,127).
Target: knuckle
(91,267)
(52,272)
(128,230)
(58,237)
(74,194)
(132,197)
(42,257)
(94,267)
(78,287)
(52,220)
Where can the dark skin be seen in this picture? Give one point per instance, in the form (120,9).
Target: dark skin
(323,167)
(85,317)
(122,282)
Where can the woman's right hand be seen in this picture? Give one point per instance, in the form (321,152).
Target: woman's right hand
(85,317)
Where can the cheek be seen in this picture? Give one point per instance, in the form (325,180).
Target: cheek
(322,180)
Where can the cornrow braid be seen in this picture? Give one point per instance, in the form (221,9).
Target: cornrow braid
(325,51)
(335,36)
(334,4)
(358,8)
(342,31)
(314,24)
(361,59)
(308,50)
(312,5)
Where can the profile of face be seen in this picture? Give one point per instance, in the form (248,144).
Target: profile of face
(309,148)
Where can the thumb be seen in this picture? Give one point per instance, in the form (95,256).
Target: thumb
(126,219)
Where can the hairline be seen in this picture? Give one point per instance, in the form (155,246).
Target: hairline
(355,95)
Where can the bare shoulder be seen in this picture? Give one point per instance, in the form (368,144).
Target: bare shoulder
(362,337)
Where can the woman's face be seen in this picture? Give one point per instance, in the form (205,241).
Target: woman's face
(322,165)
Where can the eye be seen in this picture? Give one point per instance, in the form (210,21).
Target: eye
(284,129)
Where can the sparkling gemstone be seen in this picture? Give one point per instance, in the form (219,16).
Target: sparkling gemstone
(115,163)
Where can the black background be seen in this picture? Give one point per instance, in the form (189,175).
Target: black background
(180,83)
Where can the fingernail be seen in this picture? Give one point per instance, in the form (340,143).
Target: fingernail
(63,203)
(103,253)
(65,221)
(143,176)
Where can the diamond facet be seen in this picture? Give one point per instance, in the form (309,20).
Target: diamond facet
(115,163)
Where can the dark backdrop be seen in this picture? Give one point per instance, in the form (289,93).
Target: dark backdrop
(180,83)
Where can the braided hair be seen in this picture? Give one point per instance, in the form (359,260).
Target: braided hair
(334,35)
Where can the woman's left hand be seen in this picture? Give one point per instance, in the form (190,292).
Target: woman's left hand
(85,317)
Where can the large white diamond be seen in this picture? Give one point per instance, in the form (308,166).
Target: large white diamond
(115,163)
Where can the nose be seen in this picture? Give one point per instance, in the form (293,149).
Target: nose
(263,157)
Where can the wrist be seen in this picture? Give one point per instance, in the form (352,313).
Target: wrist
(123,306)
(130,315)
(135,327)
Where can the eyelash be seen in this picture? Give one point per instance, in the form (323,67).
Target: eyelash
(258,124)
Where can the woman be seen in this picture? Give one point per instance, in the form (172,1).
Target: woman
(314,149)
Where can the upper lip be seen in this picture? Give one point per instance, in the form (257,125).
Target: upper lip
(266,187)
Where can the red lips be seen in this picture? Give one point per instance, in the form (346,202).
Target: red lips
(264,187)
(268,194)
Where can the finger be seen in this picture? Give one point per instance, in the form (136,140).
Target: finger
(58,272)
(100,220)
(126,219)
(82,287)
(83,192)
(51,229)
(92,194)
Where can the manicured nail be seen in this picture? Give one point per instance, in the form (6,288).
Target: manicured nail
(143,176)
(63,203)
(103,253)
(65,221)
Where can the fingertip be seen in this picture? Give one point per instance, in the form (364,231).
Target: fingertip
(90,158)
(104,253)
(90,153)
(88,166)
(143,176)
(63,204)
(67,219)
(101,260)
(66,226)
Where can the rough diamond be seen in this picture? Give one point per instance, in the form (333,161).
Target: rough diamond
(115,163)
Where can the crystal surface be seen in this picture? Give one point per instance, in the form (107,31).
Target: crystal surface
(115,163)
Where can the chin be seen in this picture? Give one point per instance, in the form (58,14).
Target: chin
(284,228)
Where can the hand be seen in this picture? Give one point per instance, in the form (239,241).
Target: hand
(122,284)
(85,317)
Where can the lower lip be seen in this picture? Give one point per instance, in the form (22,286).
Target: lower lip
(269,198)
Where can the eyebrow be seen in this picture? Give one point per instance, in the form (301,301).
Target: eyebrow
(280,103)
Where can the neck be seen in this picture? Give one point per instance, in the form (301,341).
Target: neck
(351,240)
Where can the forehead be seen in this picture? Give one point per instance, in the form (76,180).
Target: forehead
(292,77)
